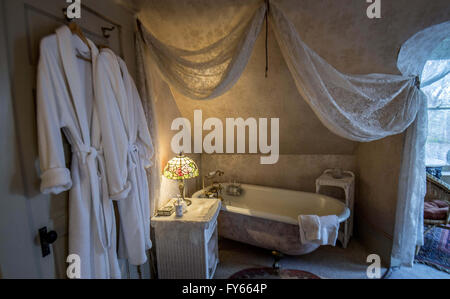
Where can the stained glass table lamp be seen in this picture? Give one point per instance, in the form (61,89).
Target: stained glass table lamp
(181,168)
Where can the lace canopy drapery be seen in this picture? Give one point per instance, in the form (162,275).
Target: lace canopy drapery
(357,107)
(209,72)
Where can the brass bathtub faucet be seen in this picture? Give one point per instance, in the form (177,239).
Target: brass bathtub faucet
(210,176)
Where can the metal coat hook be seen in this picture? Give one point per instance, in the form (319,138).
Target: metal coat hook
(105,31)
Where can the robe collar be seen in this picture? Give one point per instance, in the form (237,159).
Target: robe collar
(64,39)
(130,88)
(125,97)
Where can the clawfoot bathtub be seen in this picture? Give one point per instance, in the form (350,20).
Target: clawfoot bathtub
(267,217)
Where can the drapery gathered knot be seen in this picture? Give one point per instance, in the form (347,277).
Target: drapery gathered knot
(417,82)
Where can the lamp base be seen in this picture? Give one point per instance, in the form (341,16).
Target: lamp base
(181,188)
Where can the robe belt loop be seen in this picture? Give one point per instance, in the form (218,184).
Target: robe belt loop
(133,153)
(133,148)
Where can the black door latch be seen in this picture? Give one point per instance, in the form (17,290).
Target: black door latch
(46,239)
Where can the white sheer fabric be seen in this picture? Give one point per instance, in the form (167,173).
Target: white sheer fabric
(412,58)
(209,72)
(357,107)
(408,230)
(417,50)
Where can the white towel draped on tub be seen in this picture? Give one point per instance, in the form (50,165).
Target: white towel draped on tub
(318,230)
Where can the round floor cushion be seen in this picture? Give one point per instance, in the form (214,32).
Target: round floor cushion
(270,273)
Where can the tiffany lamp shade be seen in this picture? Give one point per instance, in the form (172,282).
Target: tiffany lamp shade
(181,168)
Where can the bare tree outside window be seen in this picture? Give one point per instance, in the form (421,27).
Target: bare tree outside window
(436,74)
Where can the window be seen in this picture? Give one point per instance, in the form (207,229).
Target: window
(436,82)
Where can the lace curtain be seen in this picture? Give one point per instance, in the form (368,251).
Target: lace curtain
(209,72)
(412,58)
(357,107)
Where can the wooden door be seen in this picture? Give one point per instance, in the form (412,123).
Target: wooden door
(23,209)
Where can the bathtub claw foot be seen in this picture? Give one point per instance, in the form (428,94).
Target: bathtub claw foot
(276,259)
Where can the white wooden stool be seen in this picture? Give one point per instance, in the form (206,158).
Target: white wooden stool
(347,182)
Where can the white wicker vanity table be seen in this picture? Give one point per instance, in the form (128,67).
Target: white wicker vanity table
(347,183)
(186,247)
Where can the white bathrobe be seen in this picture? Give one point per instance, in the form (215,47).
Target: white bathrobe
(125,127)
(65,103)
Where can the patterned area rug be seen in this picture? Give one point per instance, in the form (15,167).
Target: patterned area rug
(270,273)
(436,250)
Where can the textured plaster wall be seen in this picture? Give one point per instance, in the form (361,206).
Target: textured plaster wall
(165,110)
(378,166)
(296,172)
(341,33)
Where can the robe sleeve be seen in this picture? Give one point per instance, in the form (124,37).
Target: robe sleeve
(108,87)
(143,134)
(55,177)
